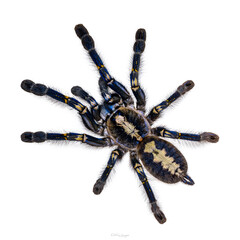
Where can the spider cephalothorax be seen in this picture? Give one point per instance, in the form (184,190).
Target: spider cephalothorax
(123,124)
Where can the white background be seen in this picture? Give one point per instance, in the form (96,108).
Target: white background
(46,189)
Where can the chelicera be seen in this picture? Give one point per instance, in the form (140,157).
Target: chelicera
(123,124)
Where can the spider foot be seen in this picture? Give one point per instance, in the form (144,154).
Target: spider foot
(158,214)
(82,33)
(31,87)
(209,137)
(185,87)
(33,137)
(98,186)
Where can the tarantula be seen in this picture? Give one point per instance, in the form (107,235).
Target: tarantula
(123,124)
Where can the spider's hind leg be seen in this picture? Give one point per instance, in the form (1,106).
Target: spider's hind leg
(158,214)
(116,155)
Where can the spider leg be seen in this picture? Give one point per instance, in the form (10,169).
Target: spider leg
(182,89)
(138,49)
(206,136)
(88,44)
(95,108)
(143,178)
(104,89)
(111,100)
(99,111)
(84,138)
(116,155)
(41,90)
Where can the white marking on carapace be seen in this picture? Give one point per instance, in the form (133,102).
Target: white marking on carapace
(128,127)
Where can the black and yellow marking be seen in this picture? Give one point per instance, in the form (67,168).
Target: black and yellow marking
(137,166)
(101,66)
(115,155)
(138,48)
(162,159)
(84,138)
(163,132)
(160,156)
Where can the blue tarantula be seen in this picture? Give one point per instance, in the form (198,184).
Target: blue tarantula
(121,123)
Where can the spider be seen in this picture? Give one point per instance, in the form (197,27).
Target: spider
(123,124)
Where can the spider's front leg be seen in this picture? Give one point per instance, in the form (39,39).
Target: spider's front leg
(206,136)
(116,155)
(42,90)
(112,101)
(95,107)
(138,49)
(88,44)
(182,89)
(143,178)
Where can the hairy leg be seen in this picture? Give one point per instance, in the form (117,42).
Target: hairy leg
(206,136)
(88,44)
(138,49)
(84,138)
(182,89)
(115,156)
(95,107)
(42,90)
(143,178)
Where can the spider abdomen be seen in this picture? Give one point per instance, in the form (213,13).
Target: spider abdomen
(163,160)
(127,127)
